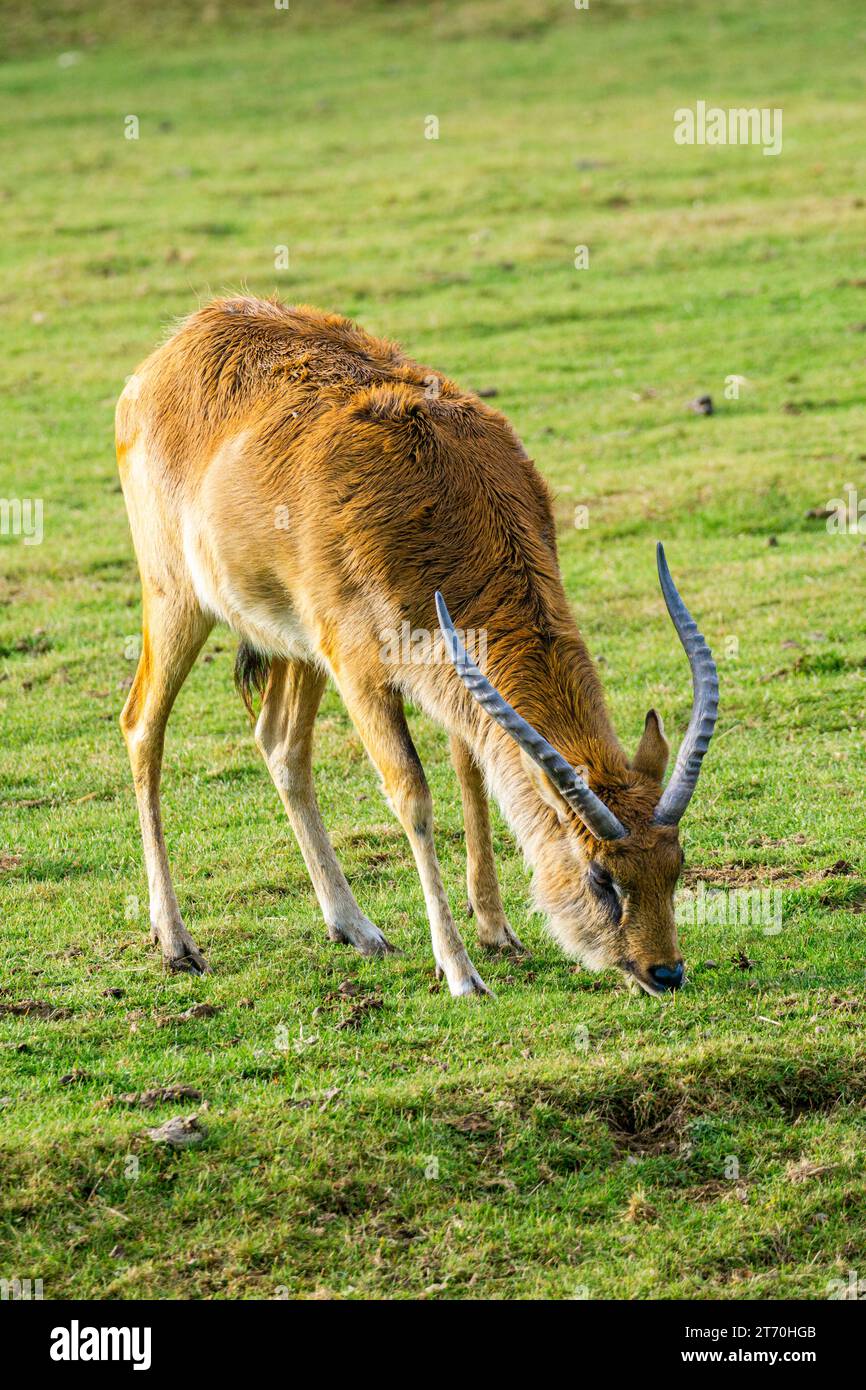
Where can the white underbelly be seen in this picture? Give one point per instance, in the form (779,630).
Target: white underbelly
(273,628)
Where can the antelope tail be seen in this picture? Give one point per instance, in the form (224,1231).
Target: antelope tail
(252,669)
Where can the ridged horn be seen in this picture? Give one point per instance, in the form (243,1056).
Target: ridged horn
(705,703)
(599,821)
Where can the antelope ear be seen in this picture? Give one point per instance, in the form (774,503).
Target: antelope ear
(652,751)
(545,788)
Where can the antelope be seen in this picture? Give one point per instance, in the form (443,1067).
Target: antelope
(307,484)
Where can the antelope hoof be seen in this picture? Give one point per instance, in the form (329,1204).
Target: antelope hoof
(180,954)
(464,981)
(502,938)
(193,963)
(365,938)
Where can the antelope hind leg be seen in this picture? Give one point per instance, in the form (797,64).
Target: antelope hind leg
(172,636)
(284,736)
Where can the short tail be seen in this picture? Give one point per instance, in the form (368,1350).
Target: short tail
(252,669)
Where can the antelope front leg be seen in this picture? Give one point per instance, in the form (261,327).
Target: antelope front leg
(482,885)
(378,716)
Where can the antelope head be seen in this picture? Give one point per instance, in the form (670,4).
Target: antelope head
(607,879)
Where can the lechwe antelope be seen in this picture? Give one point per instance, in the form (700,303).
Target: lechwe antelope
(307,484)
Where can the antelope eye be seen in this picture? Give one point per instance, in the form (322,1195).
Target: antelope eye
(604,887)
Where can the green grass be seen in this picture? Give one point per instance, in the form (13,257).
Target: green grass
(585,1141)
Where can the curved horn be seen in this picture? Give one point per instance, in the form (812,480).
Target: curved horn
(705,704)
(601,822)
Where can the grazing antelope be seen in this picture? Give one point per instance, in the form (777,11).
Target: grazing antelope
(289,475)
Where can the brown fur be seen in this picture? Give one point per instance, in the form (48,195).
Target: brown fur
(305,482)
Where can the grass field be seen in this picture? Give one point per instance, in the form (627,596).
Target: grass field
(565,1139)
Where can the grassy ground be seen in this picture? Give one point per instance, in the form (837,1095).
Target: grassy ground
(565,1139)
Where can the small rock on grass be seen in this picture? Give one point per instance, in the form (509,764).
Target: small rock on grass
(179,1132)
(71,1077)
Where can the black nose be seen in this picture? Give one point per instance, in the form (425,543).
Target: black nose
(667,976)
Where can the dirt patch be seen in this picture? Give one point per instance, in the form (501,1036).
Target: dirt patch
(767,841)
(739,874)
(803,1170)
(476,1123)
(159,1095)
(647,1112)
(321,1101)
(346,1196)
(857,904)
(366,1004)
(35,1008)
(360,1004)
(632,1134)
(717,1190)
(197,1011)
